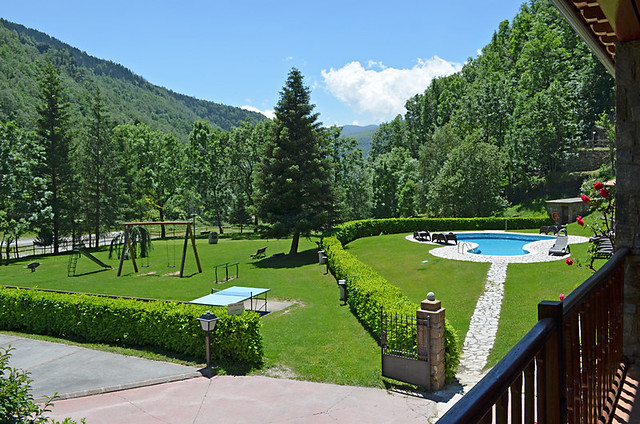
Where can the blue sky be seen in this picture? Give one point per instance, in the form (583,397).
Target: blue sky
(361,59)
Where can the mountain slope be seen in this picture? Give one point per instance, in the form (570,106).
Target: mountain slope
(361,134)
(127,97)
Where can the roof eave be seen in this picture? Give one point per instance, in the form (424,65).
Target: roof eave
(581,27)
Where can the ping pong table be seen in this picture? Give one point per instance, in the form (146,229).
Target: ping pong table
(233,295)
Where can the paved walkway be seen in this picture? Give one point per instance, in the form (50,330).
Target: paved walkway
(109,388)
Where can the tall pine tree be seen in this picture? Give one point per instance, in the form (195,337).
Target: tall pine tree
(54,134)
(100,184)
(296,196)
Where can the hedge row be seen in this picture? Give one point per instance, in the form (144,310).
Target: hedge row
(369,292)
(353,230)
(166,325)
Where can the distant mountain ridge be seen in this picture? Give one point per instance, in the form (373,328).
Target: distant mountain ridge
(127,97)
(361,133)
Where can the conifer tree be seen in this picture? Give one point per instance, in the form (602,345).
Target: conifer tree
(294,178)
(54,134)
(101,186)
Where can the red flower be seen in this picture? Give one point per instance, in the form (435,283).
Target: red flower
(598,185)
(585,198)
(562,294)
(604,193)
(580,221)
(568,261)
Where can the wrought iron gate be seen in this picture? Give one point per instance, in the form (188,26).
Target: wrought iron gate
(402,357)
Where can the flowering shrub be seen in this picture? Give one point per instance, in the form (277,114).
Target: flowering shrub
(602,202)
(569,261)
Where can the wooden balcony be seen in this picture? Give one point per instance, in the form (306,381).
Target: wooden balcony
(569,368)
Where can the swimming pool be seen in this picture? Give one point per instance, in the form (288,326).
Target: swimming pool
(500,244)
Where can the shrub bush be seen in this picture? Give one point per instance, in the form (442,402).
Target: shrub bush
(353,230)
(369,292)
(128,322)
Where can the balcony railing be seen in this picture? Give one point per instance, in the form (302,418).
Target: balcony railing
(568,367)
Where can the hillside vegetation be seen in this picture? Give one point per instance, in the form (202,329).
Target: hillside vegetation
(127,97)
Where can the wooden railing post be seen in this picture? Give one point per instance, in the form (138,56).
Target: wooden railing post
(553,390)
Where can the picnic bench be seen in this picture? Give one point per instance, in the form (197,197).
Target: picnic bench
(259,253)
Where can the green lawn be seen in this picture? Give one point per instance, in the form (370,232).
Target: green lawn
(459,284)
(316,340)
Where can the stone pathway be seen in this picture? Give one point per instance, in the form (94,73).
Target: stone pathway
(484,325)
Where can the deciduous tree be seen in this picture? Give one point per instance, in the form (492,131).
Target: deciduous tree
(23,195)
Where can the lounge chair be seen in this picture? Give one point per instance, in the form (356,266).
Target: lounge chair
(604,250)
(422,235)
(451,236)
(561,246)
(438,238)
(555,229)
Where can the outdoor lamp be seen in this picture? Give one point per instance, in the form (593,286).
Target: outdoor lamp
(342,284)
(208,323)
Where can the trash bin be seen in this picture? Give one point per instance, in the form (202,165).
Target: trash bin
(342,284)
(213,237)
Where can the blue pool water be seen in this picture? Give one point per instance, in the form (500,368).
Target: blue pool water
(500,244)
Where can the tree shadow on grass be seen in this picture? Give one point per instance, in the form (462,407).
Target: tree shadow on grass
(92,272)
(280,260)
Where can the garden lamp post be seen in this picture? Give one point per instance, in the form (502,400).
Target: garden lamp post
(208,323)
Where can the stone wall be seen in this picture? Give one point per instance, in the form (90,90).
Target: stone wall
(628,186)
(587,159)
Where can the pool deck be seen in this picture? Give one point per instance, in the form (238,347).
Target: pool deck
(539,250)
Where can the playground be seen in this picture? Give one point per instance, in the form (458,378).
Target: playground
(299,340)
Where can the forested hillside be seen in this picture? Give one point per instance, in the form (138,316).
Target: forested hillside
(127,97)
(505,129)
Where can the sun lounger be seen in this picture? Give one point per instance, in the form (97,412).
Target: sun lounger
(561,246)
(452,237)
(603,251)
(555,229)
(422,235)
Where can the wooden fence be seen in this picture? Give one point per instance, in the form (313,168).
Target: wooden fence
(567,369)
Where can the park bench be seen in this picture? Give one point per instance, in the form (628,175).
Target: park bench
(259,253)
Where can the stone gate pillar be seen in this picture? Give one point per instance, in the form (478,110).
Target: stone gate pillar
(627,223)
(431,339)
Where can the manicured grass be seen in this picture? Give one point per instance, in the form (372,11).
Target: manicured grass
(457,284)
(526,286)
(316,340)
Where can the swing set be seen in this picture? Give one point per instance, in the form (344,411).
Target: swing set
(188,235)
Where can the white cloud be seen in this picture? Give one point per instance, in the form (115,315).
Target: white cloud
(383,92)
(268,113)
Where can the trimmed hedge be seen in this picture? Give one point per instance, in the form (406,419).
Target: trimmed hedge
(369,292)
(166,325)
(353,230)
